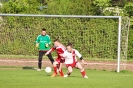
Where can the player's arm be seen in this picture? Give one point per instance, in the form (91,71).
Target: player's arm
(51,50)
(80,57)
(63,55)
(48,41)
(37,41)
(84,62)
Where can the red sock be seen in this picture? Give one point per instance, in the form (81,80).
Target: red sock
(61,73)
(83,73)
(55,70)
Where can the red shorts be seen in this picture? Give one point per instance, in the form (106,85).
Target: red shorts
(72,65)
(59,60)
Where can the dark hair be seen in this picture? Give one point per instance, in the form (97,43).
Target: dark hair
(70,44)
(43,29)
(56,40)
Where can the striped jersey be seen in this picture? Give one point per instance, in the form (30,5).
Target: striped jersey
(71,57)
(59,50)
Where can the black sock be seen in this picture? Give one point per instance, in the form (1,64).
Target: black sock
(50,58)
(39,65)
(40,59)
(68,73)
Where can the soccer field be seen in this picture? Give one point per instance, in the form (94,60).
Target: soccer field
(18,78)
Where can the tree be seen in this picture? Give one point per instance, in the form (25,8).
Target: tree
(23,6)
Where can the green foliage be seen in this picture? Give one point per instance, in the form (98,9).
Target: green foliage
(23,6)
(54,7)
(94,38)
(68,7)
(102,3)
(13,27)
(130,44)
(128,9)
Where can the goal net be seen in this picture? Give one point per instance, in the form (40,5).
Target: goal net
(98,38)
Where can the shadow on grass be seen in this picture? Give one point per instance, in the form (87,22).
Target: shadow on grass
(28,68)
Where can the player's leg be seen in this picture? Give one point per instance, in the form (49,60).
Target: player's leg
(55,68)
(70,70)
(60,70)
(78,65)
(40,60)
(50,58)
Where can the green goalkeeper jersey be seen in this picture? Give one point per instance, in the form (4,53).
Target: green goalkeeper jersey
(43,40)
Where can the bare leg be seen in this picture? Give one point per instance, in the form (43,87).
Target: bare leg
(70,69)
(55,69)
(78,65)
(55,65)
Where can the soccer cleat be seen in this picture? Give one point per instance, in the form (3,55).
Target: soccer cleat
(65,75)
(86,76)
(54,74)
(38,69)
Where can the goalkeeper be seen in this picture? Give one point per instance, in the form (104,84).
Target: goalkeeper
(43,42)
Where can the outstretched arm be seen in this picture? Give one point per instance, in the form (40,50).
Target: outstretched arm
(63,55)
(80,56)
(51,50)
(83,61)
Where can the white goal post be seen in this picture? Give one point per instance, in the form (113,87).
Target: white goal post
(83,16)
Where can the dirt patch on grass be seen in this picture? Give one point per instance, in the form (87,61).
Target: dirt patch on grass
(97,65)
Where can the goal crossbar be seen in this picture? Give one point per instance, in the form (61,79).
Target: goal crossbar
(64,16)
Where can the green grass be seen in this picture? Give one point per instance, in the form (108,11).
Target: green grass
(18,57)
(19,78)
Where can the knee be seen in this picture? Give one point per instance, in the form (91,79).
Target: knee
(54,63)
(70,71)
(82,69)
(40,59)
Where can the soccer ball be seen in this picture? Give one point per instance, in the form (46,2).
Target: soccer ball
(48,69)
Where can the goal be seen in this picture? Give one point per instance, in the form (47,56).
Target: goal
(98,38)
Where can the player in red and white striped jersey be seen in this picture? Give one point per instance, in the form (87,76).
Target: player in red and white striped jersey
(58,62)
(71,60)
